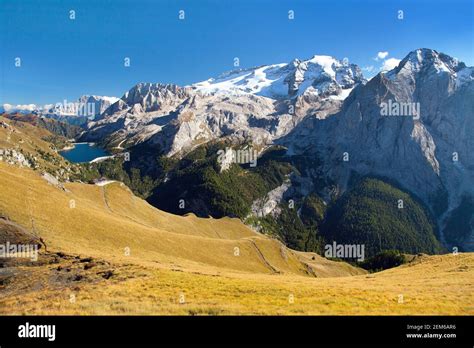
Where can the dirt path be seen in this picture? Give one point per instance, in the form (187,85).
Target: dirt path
(262,257)
(104,196)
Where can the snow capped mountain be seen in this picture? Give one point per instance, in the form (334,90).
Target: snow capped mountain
(320,75)
(429,63)
(266,81)
(426,61)
(424,141)
(412,124)
(257,104)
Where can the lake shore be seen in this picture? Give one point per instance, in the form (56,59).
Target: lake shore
(83,152)
(72,145)
(68,147)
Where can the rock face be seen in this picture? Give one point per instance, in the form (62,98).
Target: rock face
(12,156)
(413,124)
(257,105)
(269,204)
(101,103)
(86,108)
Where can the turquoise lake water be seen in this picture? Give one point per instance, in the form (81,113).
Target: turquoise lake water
(83,152)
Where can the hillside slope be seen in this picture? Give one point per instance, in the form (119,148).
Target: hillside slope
(187,265)
(106,251)
(105,220)
(25,144)
(380,215)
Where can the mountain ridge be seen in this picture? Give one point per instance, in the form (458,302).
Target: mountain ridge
(321,116)
(428,152)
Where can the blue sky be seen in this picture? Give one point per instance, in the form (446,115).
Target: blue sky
(64,59)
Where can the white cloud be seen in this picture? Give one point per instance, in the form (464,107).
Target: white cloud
(369,68)
(18,108)
(7,107)
(381,55)
(389,64)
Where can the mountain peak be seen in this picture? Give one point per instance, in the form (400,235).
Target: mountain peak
(315,76)
(425,60)
(97,98)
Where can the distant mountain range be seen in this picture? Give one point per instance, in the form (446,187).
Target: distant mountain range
(261,104)
(77,112)
(412,125)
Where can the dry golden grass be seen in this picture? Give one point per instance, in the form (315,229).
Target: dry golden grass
(437,285)
(108,221)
